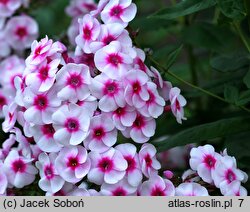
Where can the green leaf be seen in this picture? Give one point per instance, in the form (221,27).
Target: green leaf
(209,36)
(183,8)
(231,93)
(231,62)
(172,57)
(197,134)
(244,98)
(233,9)
(246,79)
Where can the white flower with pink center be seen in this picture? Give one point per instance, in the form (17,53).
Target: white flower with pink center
(11,67)
(235,189)
(73,80)
(133,172)
(122,188)
(10,114)
(19,170)
(102,134)
(50,180)
(191,189)
(139,61)
(43,79)
(73,163)
(203,160)
(80,7)
(71,123)
(177,104)
(155,104)
(8,7)
(21,32)
(3,101)
(39,51)
(110,92)
(124,117)
(147,157)
(89,29)
(226,172)
(119,11)
(3,180)
(109,167)
(40,106)
(109,33)
(89,103)
(112,61)
(136,93)
(142,129)
(4,46)
(156,186)
(44,137)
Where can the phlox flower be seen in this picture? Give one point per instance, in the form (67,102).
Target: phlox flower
(3,180)
(235,189)
(80,7)
(4,46)
(112,61)
(110,92)
(8,7)
(71,123)
(73,81)
(157,186)
(19,170)
(102,134)
(191,189)
(21,32)
(147,157)
(109,167)
(40,106)
(203,160)
(133,171)
(119,11)
(50,180)
(73,163)
(10,114)
(177,104)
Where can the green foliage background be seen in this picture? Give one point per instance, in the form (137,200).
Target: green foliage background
(203,47)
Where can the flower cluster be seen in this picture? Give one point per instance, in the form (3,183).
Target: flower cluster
(17,32)
(86,119)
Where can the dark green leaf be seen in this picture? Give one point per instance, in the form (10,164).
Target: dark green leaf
(221,128)
(244,98)
(231,62)
(183,8)
(231,93)
(233,9)
(247,79)
(172,57)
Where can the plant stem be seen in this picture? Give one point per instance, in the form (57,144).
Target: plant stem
(194,86)
(242,36)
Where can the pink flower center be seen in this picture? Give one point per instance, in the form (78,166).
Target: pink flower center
(4,1)
(59,193)
(21,32)
(72,125)
(210,161)
(177,105)
(131,163)
(89,7)
(157,191)
(3,101)
(75,81)
(110,88)
(105,164)
(136,87)
(230,176)
(108,39)
(41,102)
(119,192)
(148,160)
(120,111)
(87,33)
(141,64)
(73,163)
(151,98)
(98,133)
(19,166)
(31,140)
(11,115)
(116,11)
(48,130)
(43,73)
(139,122)
(38,51)
(49,172)
(114,59)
